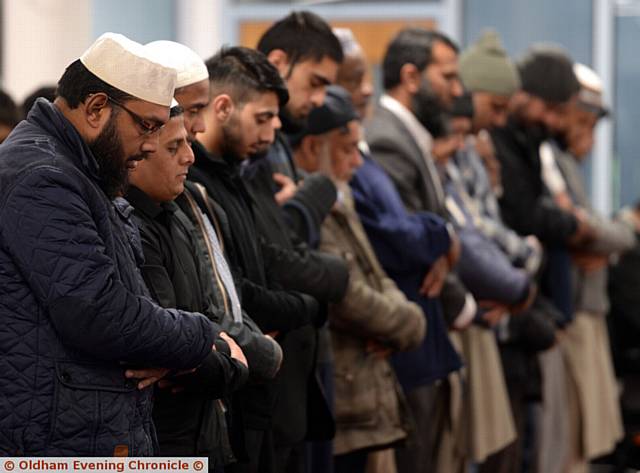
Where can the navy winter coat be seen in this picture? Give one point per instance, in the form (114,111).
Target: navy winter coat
(72,310)
(407,245)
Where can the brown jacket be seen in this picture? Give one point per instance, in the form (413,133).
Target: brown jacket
(369,405)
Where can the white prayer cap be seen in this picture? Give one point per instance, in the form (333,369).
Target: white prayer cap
(190,67)
(587,77)
(131,67)
(590,95)
(350,45)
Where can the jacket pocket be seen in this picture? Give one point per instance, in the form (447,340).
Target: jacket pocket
(356,393)
(92,409)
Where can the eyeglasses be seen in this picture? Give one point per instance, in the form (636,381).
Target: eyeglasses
(148,128)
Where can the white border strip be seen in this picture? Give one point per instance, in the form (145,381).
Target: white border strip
(603,63)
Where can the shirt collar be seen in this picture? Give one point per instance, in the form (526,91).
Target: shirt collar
(418,132)
(363,146)
(420,135)
(143,203)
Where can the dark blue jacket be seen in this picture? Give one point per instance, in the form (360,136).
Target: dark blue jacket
(73,312)
(406,245)
(483,267)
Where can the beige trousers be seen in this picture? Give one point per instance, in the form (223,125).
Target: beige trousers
(596,421)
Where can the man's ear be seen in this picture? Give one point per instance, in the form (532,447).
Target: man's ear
(280,61)
(410,78)
(222,106)
(96,110)
(312,146)
(308,153)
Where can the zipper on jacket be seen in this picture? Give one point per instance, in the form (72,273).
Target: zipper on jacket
(212,214)
(196,212)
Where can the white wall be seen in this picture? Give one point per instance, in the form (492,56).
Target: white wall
(40,38)
(200,24)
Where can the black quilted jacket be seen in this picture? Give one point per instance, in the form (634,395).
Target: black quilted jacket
(72,306)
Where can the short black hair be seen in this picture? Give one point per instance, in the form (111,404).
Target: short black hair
(47,91)
(546,71)
(302,35)
(411,46)
(9,113)
(78,82)
(242,72)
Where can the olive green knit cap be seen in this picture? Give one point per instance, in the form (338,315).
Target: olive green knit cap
(486,67)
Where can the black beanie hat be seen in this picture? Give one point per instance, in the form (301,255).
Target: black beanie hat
(546,71)
(336,111)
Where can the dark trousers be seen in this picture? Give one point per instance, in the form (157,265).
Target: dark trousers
(259,446)
(291,459)
(353,462)
(320,453)
(427,404)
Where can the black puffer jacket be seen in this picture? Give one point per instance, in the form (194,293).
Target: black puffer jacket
(272,308)
(189,422)
(526,204)
(294,266)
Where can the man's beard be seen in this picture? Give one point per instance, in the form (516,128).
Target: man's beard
(535,130)
(561,140)
(536,133)
(292,125)
(426,106)
(109,154)
(232,143)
